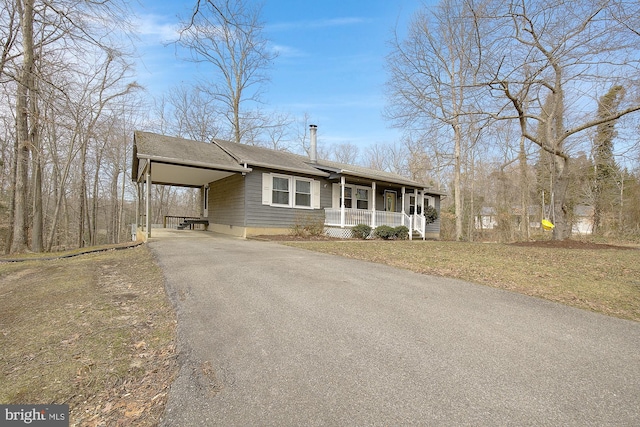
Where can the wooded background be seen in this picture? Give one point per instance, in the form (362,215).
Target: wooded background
(508,105)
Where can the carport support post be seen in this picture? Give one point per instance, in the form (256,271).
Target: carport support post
(138,196)
(147,197)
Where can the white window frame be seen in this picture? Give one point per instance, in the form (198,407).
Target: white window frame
(368,199)
(354,196)
(267,191)
(295,192)
(288,179)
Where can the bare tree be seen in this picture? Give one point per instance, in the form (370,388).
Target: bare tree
(550,59)
(228,36)
(194,113)
(277,132)
(52,39)
(345,152)
(431,82)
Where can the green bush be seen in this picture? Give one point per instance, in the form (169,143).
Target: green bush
(401,232)
(385,232)
(361,231)
(430,214)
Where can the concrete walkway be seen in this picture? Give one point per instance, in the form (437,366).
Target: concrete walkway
(277,336)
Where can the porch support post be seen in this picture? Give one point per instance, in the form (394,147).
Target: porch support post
(424,222)
(201,201)
(373,204)
(147,199)
(342,213)
(403,192)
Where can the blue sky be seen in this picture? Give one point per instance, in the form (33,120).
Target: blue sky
(330,65)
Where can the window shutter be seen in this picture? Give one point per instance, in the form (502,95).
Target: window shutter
(335,196)
(266,188)
(315,194)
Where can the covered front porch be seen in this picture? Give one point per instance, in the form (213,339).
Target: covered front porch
(374,205)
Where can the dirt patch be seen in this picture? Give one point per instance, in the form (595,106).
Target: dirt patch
(570,244)
(101,336)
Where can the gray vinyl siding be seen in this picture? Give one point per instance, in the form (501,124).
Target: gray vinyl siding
(226,201)
(259,215)
(434,227)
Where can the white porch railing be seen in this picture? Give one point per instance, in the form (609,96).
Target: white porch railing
(420,224)
(353,217)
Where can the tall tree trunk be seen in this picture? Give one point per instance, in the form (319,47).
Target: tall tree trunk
(24,87)
(457,186)
(12,199)
(93,221)
(36,155)
(83,194)
(37,244)
(524,190)
(562,229)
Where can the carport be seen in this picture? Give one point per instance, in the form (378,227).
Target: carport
(165,160)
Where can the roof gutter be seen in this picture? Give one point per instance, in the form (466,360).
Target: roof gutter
(195,164)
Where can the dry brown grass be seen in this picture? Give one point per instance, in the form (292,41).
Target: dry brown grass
(95,331)
(605,280)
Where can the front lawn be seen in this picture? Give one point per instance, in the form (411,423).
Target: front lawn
(601,278)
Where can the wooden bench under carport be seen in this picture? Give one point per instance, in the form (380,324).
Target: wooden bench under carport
(190,222)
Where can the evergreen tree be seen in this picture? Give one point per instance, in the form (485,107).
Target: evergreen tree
(606,171)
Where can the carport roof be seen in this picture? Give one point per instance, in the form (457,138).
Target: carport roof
(179,161)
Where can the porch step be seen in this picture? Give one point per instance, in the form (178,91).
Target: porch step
(416,236)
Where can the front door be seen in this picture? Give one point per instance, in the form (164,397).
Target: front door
(390,198)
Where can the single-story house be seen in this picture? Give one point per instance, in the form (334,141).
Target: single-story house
(582,218)
(489,217)
(248,190)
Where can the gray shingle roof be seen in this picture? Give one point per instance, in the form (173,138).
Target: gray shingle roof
(230,156)
(181,151)
(368,173)
(268,158)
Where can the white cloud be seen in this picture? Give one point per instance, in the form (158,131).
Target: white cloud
(157,28)
(287,51)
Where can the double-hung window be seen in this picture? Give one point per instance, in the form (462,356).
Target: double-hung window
(348,191)
(290,191)
(303,193)
(355,197)
(280,191)
(362,198)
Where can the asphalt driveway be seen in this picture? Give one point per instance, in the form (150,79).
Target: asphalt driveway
(277,336)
